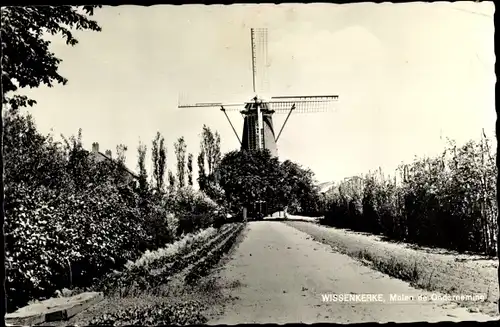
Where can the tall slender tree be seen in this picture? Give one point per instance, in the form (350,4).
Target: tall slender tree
(26,57)
(190,169)
(120,153)
(171,182)
(141,164)
(210,146)
(159,156)
(217,157)
(209,158)
(201,169)
(180,153)
(120,160)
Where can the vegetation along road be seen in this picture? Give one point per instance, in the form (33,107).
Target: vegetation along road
(282,276)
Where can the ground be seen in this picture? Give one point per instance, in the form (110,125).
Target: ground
(278,274)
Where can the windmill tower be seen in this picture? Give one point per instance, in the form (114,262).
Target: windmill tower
(258,129)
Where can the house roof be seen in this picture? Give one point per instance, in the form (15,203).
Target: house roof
(124,167)
(325,186)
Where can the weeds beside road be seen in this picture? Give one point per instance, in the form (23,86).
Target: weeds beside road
(429,269)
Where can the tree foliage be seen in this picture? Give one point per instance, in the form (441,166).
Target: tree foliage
(302,195)
(159,156)
(208,160)
(210,147)
(250,176)
(141,165)
(26,58)
(171,182)
(27,62)
(121,150)
(200,160)
(67,211)
(446,201)
(180,153)
(190,169)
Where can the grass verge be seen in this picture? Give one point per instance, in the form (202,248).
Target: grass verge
(429,269)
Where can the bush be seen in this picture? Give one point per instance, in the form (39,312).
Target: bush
(448,201)
(195,211)
(67,221)
(55,238)
(71,219)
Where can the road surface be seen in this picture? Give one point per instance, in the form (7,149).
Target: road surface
(283,276)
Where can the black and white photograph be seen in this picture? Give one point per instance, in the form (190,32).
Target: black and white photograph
(249,163)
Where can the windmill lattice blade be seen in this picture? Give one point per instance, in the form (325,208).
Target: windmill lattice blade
(234,109)
(259,60)
(212,105)
(308,107)
(306,97)
(303,104)
(200,105)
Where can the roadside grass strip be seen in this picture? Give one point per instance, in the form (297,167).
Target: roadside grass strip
(178,248)
(136,276)
(202,267)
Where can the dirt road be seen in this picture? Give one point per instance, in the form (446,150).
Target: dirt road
(283,276)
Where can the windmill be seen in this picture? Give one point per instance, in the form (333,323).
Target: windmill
(258,130)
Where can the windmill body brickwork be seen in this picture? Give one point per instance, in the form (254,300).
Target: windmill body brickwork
(250,141)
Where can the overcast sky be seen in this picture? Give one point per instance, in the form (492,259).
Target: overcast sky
(404,73)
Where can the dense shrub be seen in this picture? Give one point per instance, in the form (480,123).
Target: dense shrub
(448,201)
(70,219)
(194,210)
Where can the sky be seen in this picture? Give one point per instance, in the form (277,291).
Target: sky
(405,75)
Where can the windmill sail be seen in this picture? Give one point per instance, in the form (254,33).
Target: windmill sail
(260,62)
(303,104)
